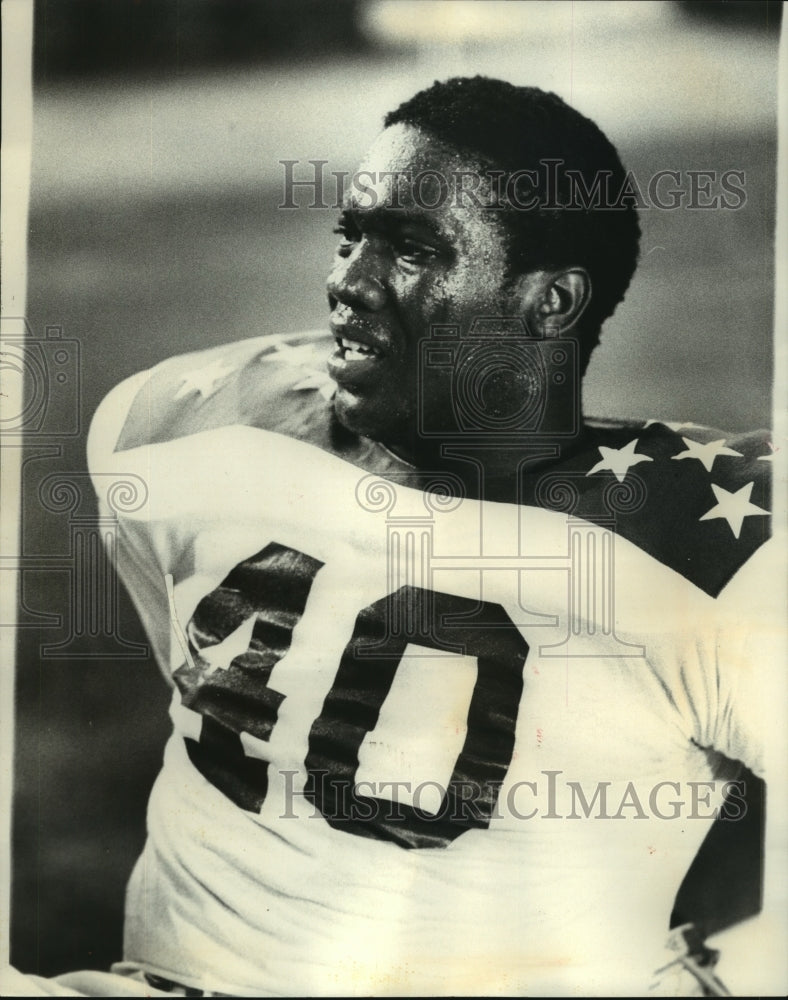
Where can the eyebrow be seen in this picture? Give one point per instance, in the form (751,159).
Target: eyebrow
(387,217)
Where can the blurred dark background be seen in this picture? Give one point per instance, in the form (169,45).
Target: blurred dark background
(97,38)
(155,229)
(158,37)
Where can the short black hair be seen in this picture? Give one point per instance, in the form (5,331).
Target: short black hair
(517,128)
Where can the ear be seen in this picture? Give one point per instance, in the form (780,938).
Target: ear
(553,301)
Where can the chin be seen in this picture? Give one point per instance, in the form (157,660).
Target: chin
(369,419)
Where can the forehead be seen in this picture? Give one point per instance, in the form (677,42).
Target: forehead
(406,147)
(409,176)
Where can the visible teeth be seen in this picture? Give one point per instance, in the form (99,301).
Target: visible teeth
(355,351)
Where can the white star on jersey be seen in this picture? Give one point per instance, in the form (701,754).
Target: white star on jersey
(303,357)
(706,453)
(302,354)
(619,460)
(734,507)
(204,381)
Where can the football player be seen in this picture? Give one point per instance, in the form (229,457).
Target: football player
(459,676)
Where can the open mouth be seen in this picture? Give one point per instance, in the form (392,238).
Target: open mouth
(352,350)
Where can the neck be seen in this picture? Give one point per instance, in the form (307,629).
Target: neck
(490,468)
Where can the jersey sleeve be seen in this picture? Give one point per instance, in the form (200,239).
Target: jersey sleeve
(244,384)
(109,420)
(114,475)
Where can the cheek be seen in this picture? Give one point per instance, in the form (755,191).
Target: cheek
(426,303)
(458,294)
(464,298)
(470,291)
(480,274)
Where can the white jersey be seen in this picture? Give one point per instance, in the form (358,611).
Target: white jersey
(424,743)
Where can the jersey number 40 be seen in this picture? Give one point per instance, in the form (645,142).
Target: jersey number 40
(272,589)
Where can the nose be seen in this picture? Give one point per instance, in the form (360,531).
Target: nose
(356,278)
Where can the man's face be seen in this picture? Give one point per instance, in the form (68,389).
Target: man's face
(401,267)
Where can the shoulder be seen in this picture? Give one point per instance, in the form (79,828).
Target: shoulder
(246,382)
(730,455)
(696,498)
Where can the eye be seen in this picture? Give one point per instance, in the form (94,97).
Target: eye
(348,233)
(414,251)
